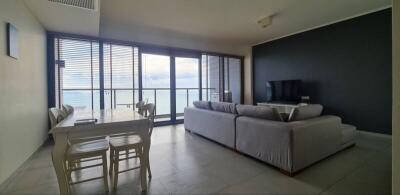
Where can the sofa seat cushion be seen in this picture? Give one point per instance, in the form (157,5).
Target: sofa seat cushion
(305,112)
(224,107)
(263,112)
(202,105)
(348,133)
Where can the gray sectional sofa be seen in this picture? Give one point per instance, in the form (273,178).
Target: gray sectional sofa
(216,125)
(260,132)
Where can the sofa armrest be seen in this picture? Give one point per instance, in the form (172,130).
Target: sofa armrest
(314,139)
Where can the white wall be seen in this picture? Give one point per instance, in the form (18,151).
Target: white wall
(396,98)
(23,99)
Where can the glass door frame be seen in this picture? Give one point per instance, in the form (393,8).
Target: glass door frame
(180,54)
(142,48)
(161,52)
(172,54)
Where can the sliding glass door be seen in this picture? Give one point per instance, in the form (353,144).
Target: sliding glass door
(221,79)
(157,77)
(187,80)
(121,77)
(156,74)
(211,78)
(96,74)
(232,80)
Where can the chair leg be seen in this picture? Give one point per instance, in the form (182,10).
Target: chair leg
(148,161)
(136,153)
(140,154)
(116,167)
(105,175)
(111,161)
(148,169)
(69,172)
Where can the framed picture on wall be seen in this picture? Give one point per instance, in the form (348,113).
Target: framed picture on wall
(12,41)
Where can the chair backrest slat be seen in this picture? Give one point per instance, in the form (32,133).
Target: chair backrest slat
(56,115)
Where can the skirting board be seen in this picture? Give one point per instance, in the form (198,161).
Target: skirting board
(375,134)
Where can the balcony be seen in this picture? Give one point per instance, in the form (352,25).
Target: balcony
(128,97)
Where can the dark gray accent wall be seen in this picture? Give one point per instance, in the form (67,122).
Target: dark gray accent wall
(345,66)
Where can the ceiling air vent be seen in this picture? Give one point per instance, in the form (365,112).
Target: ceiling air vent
(85,4)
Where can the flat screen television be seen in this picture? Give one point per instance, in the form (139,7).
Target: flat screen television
(284,91)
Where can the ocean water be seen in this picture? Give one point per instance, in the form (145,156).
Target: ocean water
(124,99)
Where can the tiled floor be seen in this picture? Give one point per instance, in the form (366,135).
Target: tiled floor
(184,163)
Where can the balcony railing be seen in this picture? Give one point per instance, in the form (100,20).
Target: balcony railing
(127,97)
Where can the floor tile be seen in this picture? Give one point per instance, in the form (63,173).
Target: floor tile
(185,163)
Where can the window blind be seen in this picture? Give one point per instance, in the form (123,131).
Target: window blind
(78,73)
(221,74)
(211,80)
(120,76)
(232,77)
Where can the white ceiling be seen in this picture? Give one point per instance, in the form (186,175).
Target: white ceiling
(225,21)
(232,20)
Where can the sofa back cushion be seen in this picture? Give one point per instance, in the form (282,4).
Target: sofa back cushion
(305,112)
(202,105)
(263,112)
(224,107)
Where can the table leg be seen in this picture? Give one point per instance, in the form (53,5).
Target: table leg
(143,169)
(58,162)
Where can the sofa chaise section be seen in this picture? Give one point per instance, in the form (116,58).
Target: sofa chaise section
(290,146)
(215,125)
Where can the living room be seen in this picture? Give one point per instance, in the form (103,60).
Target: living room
(199,97)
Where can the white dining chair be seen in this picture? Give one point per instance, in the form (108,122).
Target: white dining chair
(139,105)
(56,115)
(80,150)
(123,143)
(84,150)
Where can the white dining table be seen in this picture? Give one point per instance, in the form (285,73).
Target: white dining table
(109,122)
